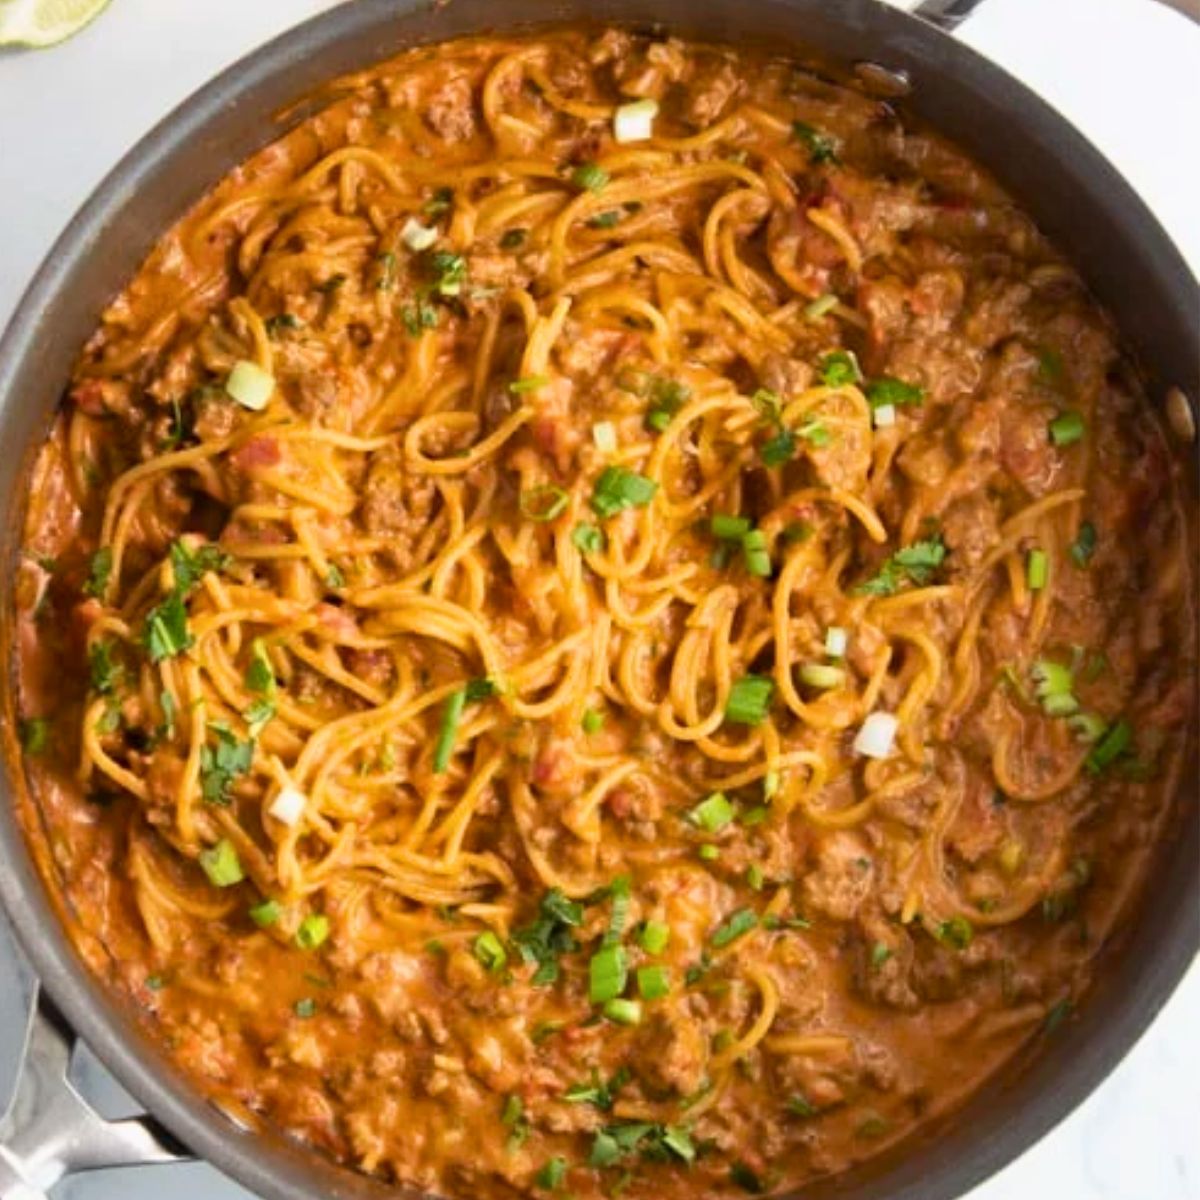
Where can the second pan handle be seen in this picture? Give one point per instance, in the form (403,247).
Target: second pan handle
(51,1131)
(949,14)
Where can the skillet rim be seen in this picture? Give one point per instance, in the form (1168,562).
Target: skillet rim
(264,1161)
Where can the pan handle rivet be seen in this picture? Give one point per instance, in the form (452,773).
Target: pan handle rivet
(1180,416)
(887,83)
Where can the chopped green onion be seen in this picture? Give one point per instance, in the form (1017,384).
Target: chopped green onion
(768,403)
(607,974)
(258,715)
(1111,746)
(274,326)
(880,953)
(623,1012)
(1037,570)
(109,720)
(419,316)
(754,552)
(895,392)
(313,931)
(289,805)
(749,700)
(587,538)
(552,1174)
(439,202)
(814,432)
(589,176)
(222,865)
(653,937)
(729,528)
(451,716)
(489,950)
(609,219)
(1060,706)
(840,368)
(416,236)
(876,735)
(957,932)
(667,397)
(653,982)
(755,816)
(755,877)
(709,853)
(634,122)
(618,489)
(604,434)
(545,502)
(884,417)
(1054,688)
(305,1008)
(530,383)
(741,923)
(771,781)
(822,676)
(266,913)
(713,813)
(593,721)
(836,640)
(619,890)
(872,1126)
(1053,679)
(1084,545)
(1066,428)
(449,271)
(250,385)
(1088,727)
(260,675)
(820,306)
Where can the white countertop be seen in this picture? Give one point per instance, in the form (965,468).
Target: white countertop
(1113,66)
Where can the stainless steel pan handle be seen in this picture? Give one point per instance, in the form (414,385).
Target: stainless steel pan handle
(50,1130)
(948,14)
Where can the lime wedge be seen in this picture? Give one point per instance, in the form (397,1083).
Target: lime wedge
(44,22)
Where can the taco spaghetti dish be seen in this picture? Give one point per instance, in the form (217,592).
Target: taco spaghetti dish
(603,616)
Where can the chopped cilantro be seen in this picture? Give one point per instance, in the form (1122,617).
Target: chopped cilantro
(549,936)
(915,564)
(166,631)
(221,764)
(99,570)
